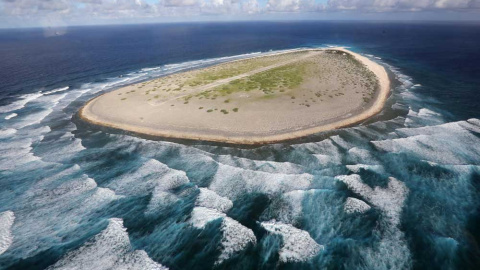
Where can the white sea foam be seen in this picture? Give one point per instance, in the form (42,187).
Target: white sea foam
(353,205)
(374,168)
(67,189)
(31,119)
(16,153)
(65,148)
(51,100)
(288,207)
(6,222)
(297,245)
(16,105)
(151,175)
(341,142)
(231,182)
(235,236)
(138,259)
(10,116)
(357,154)
(294,200)
(201,216)
(6,133)
(392,251)
(56,90)
(260,165)
(442,144)
(326,152)
(210,199)
(423,117)
(159,200)
(51,180)
(389,200)
(110,249)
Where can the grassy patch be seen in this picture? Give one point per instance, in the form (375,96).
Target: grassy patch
(236,68)
(269,82)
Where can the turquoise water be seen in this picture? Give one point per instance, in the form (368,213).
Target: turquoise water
(400,191)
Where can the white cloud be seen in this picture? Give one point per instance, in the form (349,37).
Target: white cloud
(180,3)
(292,6)
(250,7)
(401,5)
(40,12)
(283,5)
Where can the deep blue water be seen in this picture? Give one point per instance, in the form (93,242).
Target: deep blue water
(72,195)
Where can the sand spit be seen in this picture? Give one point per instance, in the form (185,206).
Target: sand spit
(259,100)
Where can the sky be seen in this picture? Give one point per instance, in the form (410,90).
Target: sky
(50,13)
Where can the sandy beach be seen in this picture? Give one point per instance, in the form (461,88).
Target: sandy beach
(260,100)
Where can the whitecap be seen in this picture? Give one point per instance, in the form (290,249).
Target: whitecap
(442,144)
(65,148)
(353,205)
(261,165)
(110,249)
(392,251)
(297,246)
(56,90)
(357,154)
(210,199)
(10,116)
(16,105)
(201,216)
(16,153)
(151,175)
(389,200)
(6,133)
(6,222)
(326,152)
(235,236)
(231,182)
(32,119)
(374,168)
(288,207)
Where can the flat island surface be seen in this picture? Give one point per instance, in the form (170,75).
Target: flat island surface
(258,100)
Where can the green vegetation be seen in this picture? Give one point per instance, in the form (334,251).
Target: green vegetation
(270,81)
(228,70)
(235,109)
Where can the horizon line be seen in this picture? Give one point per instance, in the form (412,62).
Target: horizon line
(423,21)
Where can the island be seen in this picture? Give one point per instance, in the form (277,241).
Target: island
(264,99)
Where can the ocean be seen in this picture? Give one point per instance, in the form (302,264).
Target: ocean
(399,191)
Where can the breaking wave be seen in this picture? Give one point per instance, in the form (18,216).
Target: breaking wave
(374,196)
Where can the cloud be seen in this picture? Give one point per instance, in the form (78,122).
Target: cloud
(38,12)
(20,7)
(180,3)
(401,5)
(250,7)
(292,6)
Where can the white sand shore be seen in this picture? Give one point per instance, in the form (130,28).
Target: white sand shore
(192,113)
